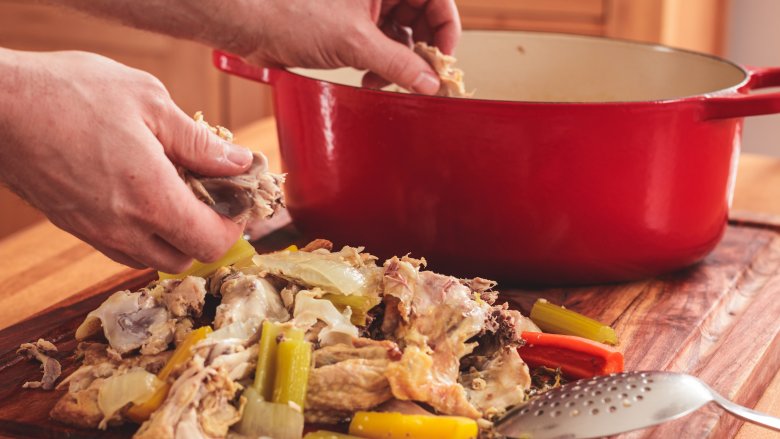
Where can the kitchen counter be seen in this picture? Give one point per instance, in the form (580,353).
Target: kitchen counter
(43,265)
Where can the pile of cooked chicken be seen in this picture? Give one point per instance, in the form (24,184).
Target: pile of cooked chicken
(419,342)
(434,340)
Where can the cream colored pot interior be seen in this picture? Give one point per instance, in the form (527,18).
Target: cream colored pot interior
(530,66)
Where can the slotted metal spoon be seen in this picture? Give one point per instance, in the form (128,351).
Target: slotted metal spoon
(617,403)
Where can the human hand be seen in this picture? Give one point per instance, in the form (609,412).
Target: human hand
(304,33)
(91,142)
(356,33)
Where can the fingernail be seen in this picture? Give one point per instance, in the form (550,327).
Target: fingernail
(238,155)
(426,83)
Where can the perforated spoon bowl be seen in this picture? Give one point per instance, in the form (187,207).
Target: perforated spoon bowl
(617,403)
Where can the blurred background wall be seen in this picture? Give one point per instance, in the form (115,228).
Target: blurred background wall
(753,38)
(745,30)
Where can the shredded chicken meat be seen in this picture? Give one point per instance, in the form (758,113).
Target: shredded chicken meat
(348,378)
(436,316)
(40,350)
(451,78)
(430,339)
(200,402)
(251,196)
(145,319)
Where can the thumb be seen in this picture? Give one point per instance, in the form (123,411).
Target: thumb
(397,63)
(192,145)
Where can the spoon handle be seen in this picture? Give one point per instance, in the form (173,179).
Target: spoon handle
(747,414)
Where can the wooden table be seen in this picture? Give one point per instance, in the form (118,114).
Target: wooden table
(43,265)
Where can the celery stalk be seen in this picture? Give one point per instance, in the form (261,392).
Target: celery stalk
(141,412)
(360,305)
(266,360)
(240,254)
(267,419)
(322,434)
(293,362)
(293,333)
(559,320)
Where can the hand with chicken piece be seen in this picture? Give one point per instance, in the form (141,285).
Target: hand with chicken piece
(92,143)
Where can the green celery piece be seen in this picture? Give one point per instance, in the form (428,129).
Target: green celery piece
(559,320)
(293,362)
(266,360)
(267,419)
(293,333)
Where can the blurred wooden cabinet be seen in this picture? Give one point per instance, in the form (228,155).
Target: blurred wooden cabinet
(690,24)
(185,67)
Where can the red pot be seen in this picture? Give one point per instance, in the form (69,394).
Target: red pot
(581,159)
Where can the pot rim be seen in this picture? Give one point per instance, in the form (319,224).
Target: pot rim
(645,45)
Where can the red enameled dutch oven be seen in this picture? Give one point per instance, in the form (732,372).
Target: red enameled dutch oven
(579,160)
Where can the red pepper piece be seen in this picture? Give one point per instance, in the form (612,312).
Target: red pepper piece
(576,356)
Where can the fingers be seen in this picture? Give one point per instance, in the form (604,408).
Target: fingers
(190,225)
(444,22)
(160,255)
(146,251)
(395,63)
(98,243)
(120,257)
(434,21)
(150,251)
(372,80)
(193,146)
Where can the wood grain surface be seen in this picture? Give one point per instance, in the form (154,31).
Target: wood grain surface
(716,320)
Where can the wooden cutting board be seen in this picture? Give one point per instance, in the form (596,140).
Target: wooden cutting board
(716,320)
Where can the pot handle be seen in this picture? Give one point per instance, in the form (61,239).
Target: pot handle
(233,64)
(741,105)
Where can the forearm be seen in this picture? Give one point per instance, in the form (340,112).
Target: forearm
(213,22)
(18,75)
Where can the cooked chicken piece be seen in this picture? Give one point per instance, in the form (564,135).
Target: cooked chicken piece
(346,379)
(185,297)
(147,318)
(497,384)
(451,78)
(215,280)
(247,300)
(198,405)
(79,405)
(318,244)
(251,196)
(309,310)
(483,287)
(40,351)
(347,387)
(435,316)
(361,348)
(416,377)
(220,131)
(240,364)
(80,408)
(127,320)
(503,329)
(403,407)
(182,330)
